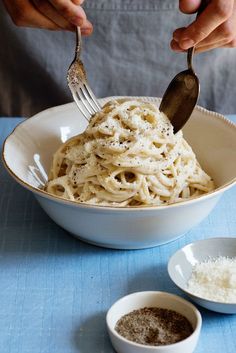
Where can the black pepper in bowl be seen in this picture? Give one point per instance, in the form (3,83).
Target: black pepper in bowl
(154,326)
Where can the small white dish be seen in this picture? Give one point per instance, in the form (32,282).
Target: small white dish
(181,263)
(28,152)
(164,300)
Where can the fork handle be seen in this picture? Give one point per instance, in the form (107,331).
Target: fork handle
(78,42)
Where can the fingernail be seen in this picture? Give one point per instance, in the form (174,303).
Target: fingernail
(77,21)
(186,43)
(86,31)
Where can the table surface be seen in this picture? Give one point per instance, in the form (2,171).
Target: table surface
(55,290)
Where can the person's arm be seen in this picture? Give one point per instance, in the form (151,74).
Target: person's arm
(53,14)
(215,27)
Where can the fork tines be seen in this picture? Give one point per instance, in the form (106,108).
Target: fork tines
(85,99)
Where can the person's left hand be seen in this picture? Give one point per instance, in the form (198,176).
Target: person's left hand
(215,27)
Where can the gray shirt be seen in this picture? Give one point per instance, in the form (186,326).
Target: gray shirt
(128,54)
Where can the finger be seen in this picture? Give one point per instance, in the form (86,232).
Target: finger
(189,7)
(231,44)
(202,46)
(175,46)
(216,13)
(208,47)
(50,12)
(70,11)
(178,33)
(224,33)
(26,15)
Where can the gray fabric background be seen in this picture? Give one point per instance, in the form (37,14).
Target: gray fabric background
(128,54)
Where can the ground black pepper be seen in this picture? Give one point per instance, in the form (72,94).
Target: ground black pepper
(154,326)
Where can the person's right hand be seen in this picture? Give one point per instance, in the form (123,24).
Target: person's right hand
(214,28)
(51,14)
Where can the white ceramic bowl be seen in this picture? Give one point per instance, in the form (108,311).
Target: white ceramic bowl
(164,300)
(181,263)
(28,151)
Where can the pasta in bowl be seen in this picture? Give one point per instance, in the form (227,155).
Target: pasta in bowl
(149,218)
(128,156)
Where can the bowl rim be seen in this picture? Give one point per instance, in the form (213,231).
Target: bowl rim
(196,312)
(185,290)
(58,199)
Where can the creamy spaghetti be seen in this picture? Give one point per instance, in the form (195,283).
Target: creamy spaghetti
(128,156)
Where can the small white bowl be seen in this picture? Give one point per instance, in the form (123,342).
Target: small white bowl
(181,264)
(28,152)
(164,300)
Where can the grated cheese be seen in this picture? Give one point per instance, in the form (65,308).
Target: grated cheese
(214,279)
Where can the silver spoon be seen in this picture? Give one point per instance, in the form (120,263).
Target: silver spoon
(182,93)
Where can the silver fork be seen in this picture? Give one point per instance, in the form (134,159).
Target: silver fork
(77,82)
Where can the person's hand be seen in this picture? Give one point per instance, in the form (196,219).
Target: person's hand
(215,27)
(52,14)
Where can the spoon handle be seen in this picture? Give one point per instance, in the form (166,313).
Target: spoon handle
(190,58)
(190,53)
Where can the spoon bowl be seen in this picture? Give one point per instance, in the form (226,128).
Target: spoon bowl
(181,95)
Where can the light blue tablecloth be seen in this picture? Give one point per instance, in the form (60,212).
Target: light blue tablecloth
(55,290)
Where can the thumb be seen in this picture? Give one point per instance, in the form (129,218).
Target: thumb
(189,6)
